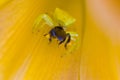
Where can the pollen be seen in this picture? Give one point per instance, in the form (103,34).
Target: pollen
(47,36)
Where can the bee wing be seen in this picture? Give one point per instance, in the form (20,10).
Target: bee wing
(76,42)
(38,24)
(63,18)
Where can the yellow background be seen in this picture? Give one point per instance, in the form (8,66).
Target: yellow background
(26,56)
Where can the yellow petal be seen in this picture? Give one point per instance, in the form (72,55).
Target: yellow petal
(28,56)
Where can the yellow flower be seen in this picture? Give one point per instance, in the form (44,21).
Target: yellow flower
(26,56)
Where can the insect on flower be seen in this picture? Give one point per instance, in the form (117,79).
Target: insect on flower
(58,22)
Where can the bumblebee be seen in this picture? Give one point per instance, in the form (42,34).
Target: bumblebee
(59,33)
(58,22)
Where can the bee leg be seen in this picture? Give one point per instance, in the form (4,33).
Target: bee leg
(69,38)
(61,42)
(50,39)
(76,42)
(45,34)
